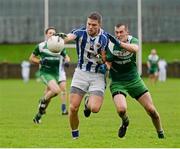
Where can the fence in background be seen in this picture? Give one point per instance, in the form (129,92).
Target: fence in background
(14,70)
(22,21)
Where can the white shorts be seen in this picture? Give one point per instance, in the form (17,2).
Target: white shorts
(62,75)
(88,81)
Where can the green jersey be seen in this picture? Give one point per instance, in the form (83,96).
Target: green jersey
(124,66)
(153,61)
(53,59)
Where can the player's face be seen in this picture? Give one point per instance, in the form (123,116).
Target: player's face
(50,33)
(153,52)
(121,33)
(93,27)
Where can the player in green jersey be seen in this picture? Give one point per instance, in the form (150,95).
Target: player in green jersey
(125,79)
(152,65)
(49,72)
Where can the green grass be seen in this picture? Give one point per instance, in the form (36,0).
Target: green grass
(16,53)
(18,104)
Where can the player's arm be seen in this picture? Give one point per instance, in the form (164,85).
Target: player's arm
(34,59)
(69,37)
(66,37)
(148,64)
(34,56)
(131,47)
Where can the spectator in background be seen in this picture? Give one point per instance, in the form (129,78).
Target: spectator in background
(152,65)
(25,70)
(162,70)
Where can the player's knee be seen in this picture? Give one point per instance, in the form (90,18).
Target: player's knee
(56,91)
(153,113)
(121,112)
(73,108)
(95,109)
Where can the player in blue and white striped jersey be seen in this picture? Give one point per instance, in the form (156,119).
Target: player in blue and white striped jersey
(89,75)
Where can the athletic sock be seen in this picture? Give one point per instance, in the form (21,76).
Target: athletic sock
(63,107)
(160,134)
(75,134)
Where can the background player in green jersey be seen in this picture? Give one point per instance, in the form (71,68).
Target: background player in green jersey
(49,71)
(152,65)
(125,79)
(62,79)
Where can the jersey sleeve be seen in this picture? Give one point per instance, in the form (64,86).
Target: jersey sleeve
(36,51)
(109,55)
(63,53)
(113,40)
(78,31)
(134,41)
(104,42)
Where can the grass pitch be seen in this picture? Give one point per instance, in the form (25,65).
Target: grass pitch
(18,105)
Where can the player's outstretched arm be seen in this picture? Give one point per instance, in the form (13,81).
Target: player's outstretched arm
(69,37)
(130,47)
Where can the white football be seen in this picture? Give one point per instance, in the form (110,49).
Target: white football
(55,44)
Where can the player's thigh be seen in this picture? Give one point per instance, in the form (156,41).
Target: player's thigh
(75,101)
(136,88)
(95,100)
(146,101)
(80,80)
(53,86)
(51,81)
(62,85)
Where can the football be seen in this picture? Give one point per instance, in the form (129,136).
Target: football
(55,44)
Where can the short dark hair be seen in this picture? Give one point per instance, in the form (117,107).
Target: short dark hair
(51,27)
(95,16)
(121,24)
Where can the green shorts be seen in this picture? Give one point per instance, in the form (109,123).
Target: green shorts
(135,88)
(152,71)
(46,77)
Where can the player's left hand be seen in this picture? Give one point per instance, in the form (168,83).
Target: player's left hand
(62,35)
(114,40)
(102,69)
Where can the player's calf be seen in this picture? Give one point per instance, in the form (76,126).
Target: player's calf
(87,111)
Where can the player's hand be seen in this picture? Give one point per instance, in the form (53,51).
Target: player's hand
(66,64)
(114,40)
(102,69)
(62,35)
(44,61)
(99,57)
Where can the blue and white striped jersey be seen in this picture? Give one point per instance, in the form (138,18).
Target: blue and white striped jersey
(88,47)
